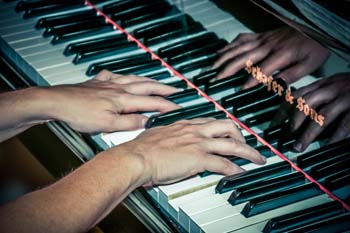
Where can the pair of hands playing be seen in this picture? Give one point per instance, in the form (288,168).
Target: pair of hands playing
(293,56)
(110,102)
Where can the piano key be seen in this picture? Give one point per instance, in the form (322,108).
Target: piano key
(61,19)
(205,77)
(264,187)
(183,96)
(232,182)
(319,155)
(232,82)
(245,96)
(296,219)
(201,50)
(261,118)
(180,47)
(192,185)
(80,29)
(281,198)
(124,5)
(338,179)
(179,114)
(339,223)
(118,63)
(88,45)
(121,16)
(196,63)
(237,222)
(336,163)
(163,12)
(241,109)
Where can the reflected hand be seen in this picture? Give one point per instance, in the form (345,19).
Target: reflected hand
(284,50)
(330,97)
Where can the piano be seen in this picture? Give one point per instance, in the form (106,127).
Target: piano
(52,42)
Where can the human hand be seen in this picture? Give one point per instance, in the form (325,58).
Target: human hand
(185,148)
(284,50)
(109,102)
(330,97)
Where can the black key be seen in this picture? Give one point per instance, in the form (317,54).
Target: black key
(178,84)
(109,50)
(337,162)
(197,63)
(264,187)
(157,14)
(114,64)
(162,27)
(286,143)
(275,133)
(229,183)
(93,44)
(230,82)
(192,53)
(320,154)
(160,75)
(245,96)
(300,218)
(120,6)
(183,96)
(205,77)
(139,69)
(179,114)
(242,109)
(338,179)
(260,118)
(339,223)
(64,19)
(281,198)
(251,140)
(80,29)
(186,31)
(122,16)
(183,46)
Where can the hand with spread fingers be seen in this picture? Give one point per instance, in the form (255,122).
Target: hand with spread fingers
(108,102)
(284,50)
(329,97)
(185,148)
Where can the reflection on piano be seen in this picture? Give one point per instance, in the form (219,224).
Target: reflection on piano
(56,42)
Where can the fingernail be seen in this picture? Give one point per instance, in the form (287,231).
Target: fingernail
(263,159)
(144,121)
(298,147)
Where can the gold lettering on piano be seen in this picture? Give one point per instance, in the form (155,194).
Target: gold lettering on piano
(273,85)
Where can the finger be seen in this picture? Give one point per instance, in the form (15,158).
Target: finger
(128,122)
(342,131)
(235,51)
(238,63)
(231,147)
(127,79)
(220,165)
(104,75)
(241,38)
(150,88)
(139,103)
(294,72)
(331,111)
(221,128)
(195,121)
(313,100)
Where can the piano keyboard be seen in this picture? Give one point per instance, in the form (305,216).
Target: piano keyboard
(60,43)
